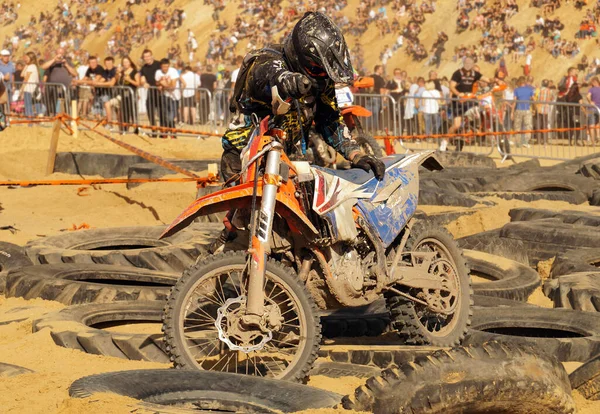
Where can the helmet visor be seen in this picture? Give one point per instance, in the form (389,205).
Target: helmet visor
(336,63)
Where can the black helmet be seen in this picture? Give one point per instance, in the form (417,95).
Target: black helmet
(316,48)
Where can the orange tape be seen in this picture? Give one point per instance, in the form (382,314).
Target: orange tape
(26,183)
(481,134)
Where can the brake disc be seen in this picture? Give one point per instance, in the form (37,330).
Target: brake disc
(228,326)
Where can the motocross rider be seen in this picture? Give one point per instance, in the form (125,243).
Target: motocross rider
(304,70)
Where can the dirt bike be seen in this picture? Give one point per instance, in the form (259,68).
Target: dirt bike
(316,238)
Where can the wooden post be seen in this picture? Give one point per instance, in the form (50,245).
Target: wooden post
(54,143)
(74,114)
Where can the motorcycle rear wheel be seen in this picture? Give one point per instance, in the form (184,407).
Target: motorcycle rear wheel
(414,322)
(198,338)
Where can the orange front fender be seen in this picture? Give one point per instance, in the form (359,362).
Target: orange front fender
(239,197)
(357,111)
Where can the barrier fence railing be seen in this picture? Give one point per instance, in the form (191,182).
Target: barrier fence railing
(429,123)
(115,104)
(533,129)
(34,100)
(551,130)
(222,117)
(384,113)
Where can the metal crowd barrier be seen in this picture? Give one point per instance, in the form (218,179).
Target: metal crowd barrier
(222,117)
(449,124)
(38,99)
(182,108)
(558,130)
(550,130)
(116,104)
(384,114)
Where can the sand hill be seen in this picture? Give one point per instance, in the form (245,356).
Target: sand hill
(200,21)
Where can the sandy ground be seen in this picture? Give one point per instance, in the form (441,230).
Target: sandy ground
(44,210)
(41,211)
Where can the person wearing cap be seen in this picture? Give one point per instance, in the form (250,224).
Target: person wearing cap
(7,67)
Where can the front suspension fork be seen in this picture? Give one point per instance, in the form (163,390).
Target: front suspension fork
(261,234)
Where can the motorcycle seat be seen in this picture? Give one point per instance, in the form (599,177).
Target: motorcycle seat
(358,176)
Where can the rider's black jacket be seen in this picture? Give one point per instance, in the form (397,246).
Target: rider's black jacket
(268,69)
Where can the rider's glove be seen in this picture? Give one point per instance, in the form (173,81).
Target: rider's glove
(368,163)
(293,85)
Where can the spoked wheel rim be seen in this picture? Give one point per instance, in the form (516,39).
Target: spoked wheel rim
(214,338)
(438,323)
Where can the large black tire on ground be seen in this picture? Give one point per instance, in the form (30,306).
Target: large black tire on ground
(176,347)
(150,170)
(590,170)
(429,196)
(579,218)
(577,291)
(126,246)
(12,257)
(549,181)
(205,389)
(586,379)
(574,164)
(595,198)
(374,321)
(74,327)
(565,334)
(547,238)
(480,301)
(403,314)
(464,159)
(369,320)
(509,279)
(463,183)
(491,242)
(343,369)
(575,261)
(571,197)
(460,381)
(71,283)
(369,145)
(9,370)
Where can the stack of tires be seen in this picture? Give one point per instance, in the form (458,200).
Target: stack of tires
(111,275)
(467,181)
(123,276)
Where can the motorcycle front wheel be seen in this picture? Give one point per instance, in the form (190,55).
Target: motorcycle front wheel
(203,327)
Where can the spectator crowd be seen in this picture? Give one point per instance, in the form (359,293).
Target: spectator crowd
(47,62)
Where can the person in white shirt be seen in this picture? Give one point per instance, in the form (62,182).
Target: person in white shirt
(190,82)
(192,44)
(527,68)
(167,80)
(31,80)
(84,92)
(410,109)
(430,106)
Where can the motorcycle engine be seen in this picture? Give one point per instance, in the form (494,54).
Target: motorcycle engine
(347,266)
(354,264)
